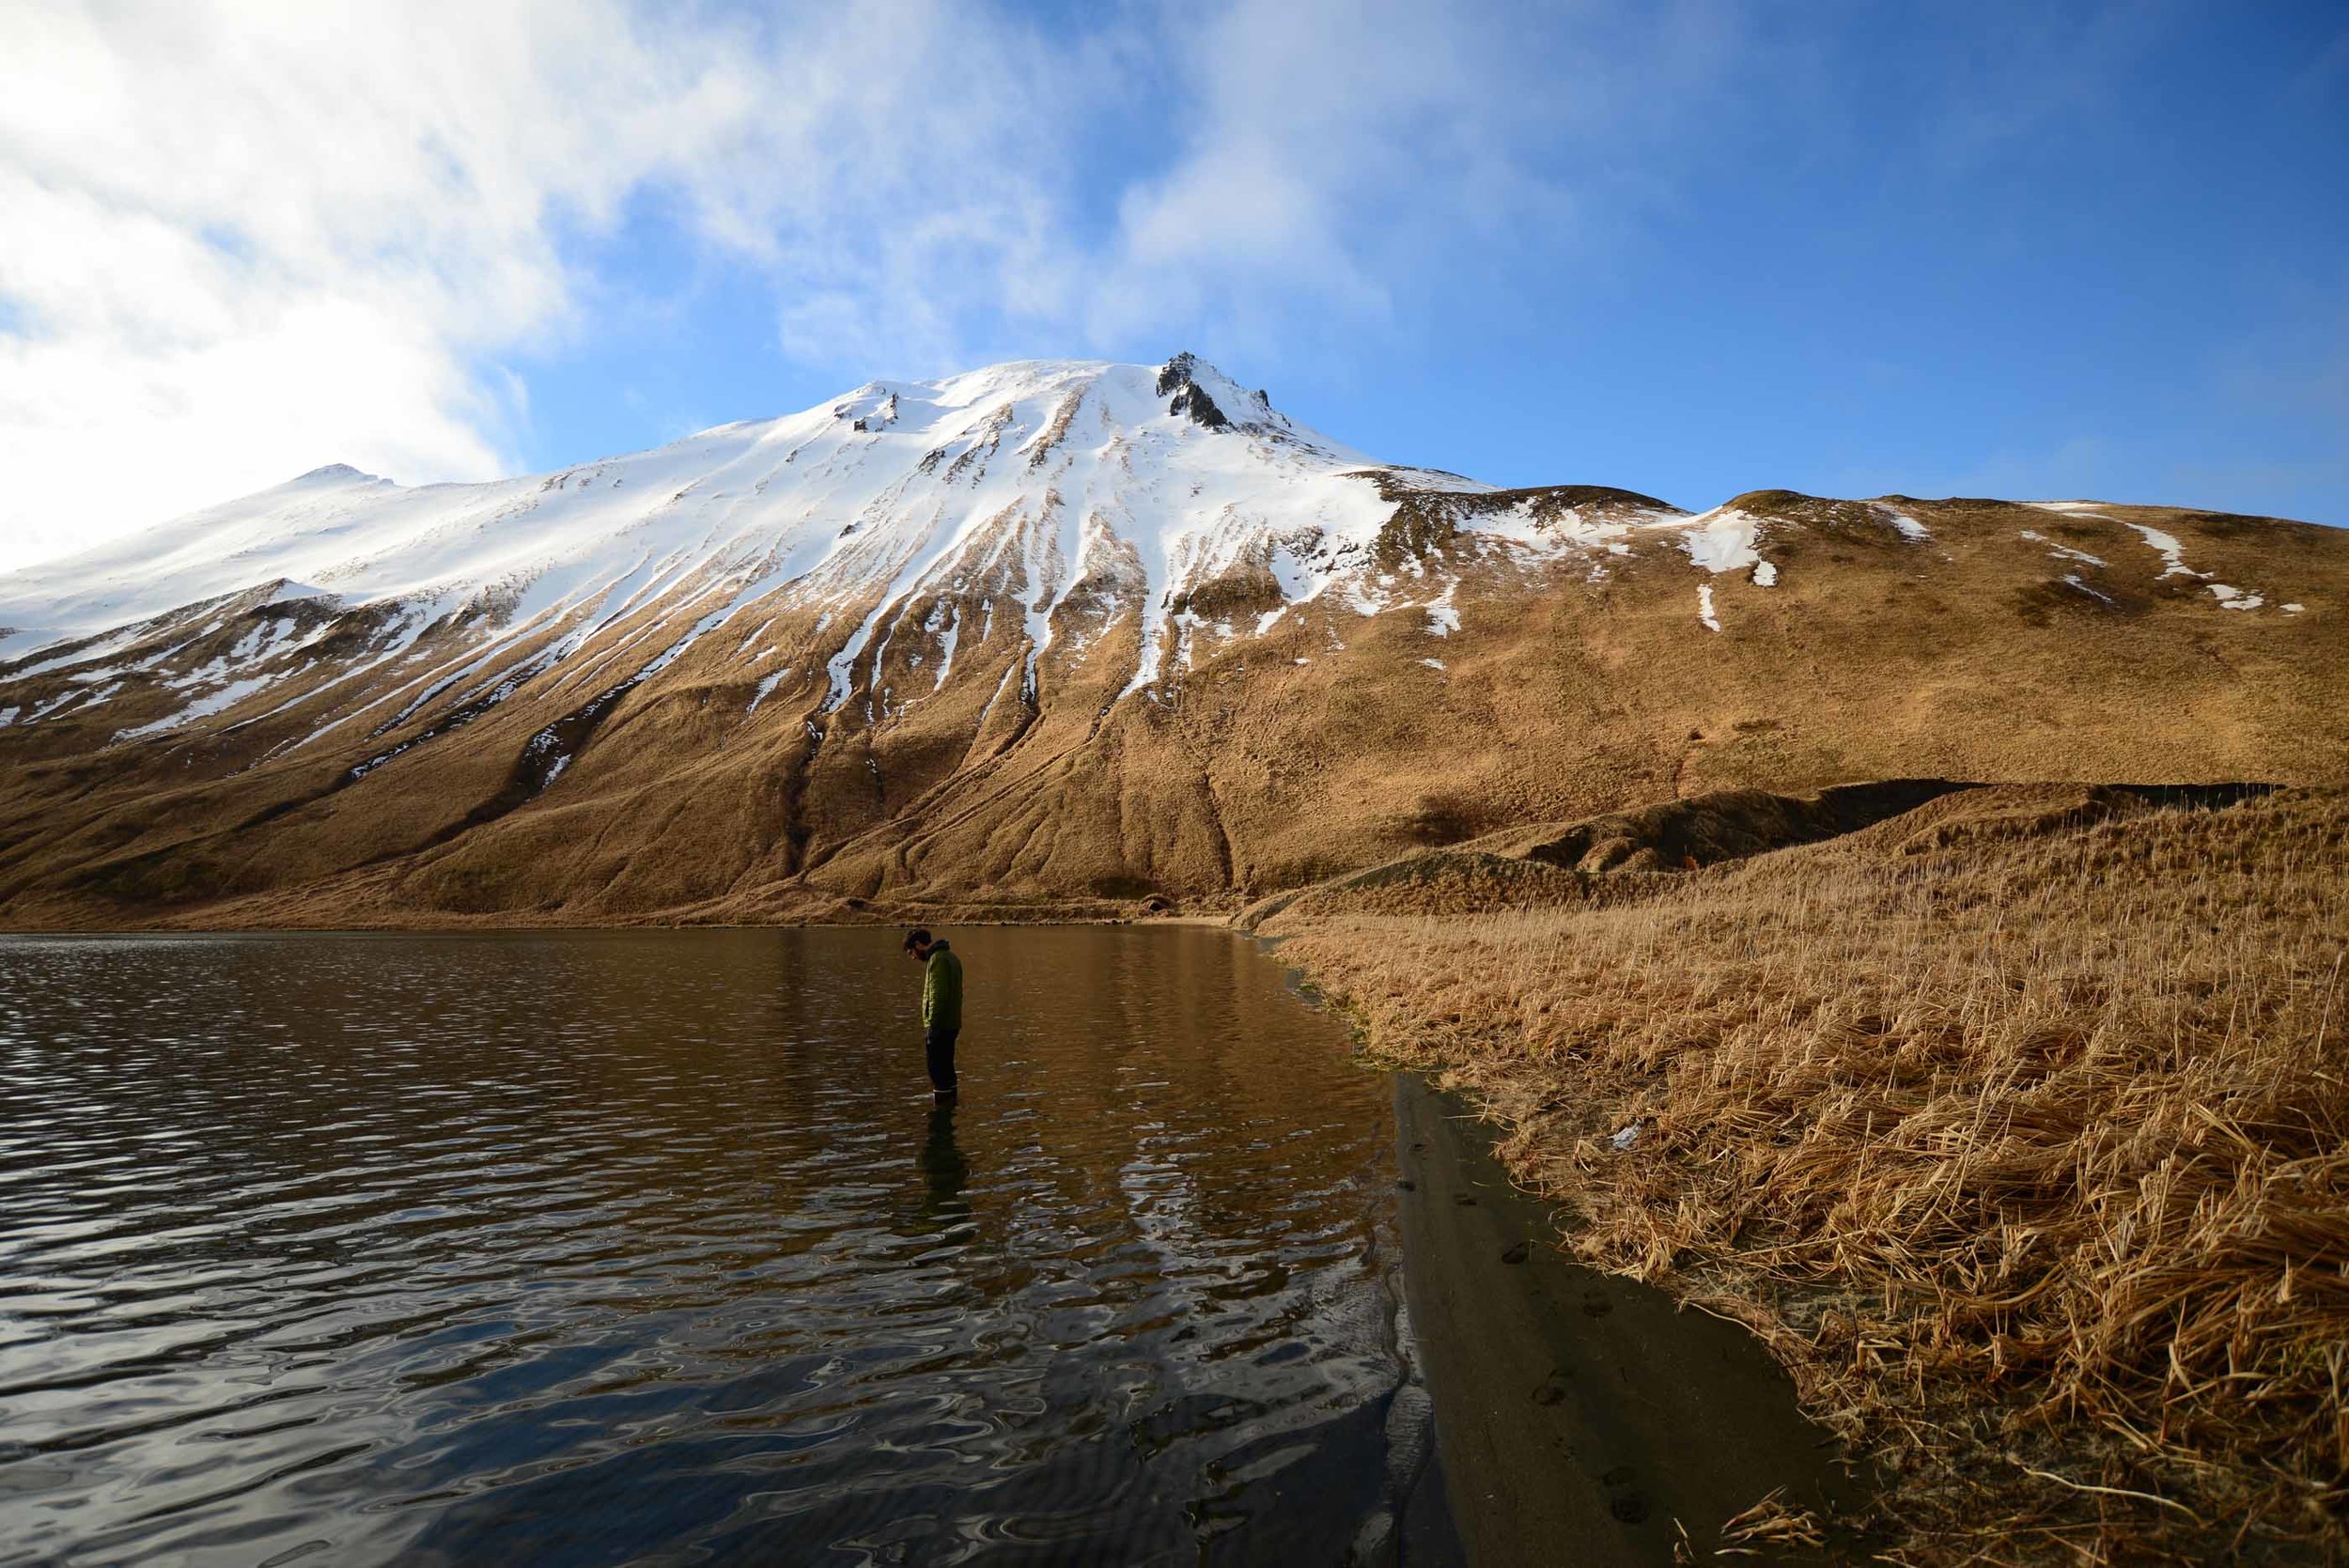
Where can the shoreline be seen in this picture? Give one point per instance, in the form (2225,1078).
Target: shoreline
(2015,1154)
(1581,1416)
(444,925)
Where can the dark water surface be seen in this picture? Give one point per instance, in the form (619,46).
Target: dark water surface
(648,1247)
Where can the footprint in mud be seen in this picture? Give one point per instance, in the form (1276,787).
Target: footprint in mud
(1627,1506)
(1466,1199)
(1517,1254)
(1594,1303)
(1407,1184)
(1552,1389)
(1418,1148)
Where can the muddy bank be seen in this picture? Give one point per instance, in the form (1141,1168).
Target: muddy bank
(2011,1126)
(1580,1417)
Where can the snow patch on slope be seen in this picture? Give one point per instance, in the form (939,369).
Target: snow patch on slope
(1720,540)
(1443,619)
(766,688)
(2166,545)
(2062,552)
(203,707)
(2172,553)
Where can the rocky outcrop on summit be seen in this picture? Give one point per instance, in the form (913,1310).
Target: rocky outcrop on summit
(1193,400)
(1064,634)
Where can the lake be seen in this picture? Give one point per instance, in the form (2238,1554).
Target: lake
(649,1247)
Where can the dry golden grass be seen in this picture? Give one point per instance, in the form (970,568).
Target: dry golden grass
(2019,1136)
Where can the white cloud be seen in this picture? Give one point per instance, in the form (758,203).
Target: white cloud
(246,238)
(244,241)
(1317,137)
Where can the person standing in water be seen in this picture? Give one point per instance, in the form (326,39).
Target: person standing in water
(941,1007)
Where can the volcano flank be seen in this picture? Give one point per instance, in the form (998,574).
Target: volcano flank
(1062,638)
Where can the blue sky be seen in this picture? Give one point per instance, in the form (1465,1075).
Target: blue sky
(1690,249)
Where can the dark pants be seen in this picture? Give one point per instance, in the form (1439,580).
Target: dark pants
(938,1044)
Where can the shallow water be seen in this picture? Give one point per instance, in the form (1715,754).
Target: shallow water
(648,1247)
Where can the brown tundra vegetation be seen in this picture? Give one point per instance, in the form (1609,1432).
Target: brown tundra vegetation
(2013,1124)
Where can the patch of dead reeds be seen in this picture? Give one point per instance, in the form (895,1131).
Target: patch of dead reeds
(2026,1147)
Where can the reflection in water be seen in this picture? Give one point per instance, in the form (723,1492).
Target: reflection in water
(598,1247)
(945,1171)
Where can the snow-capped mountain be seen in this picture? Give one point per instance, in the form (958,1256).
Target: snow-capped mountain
(1050,476)
(1053,617)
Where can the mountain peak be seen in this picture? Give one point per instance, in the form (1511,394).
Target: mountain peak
(1176,372)
(337,474)
(1206,394)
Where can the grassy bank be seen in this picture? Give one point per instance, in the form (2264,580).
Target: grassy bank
(2015,1125)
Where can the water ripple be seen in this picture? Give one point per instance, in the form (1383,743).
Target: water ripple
(647,1246)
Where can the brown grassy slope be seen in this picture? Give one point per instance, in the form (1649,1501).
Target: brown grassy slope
(2019,1135)
(1587,685)
(1574,685)
(1609,858)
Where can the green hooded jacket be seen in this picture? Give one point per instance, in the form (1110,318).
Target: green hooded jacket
(941,989)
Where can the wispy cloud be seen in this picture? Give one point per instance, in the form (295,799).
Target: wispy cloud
(247,237)
(243,241)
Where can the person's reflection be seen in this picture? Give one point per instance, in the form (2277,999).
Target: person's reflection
(945,1171)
